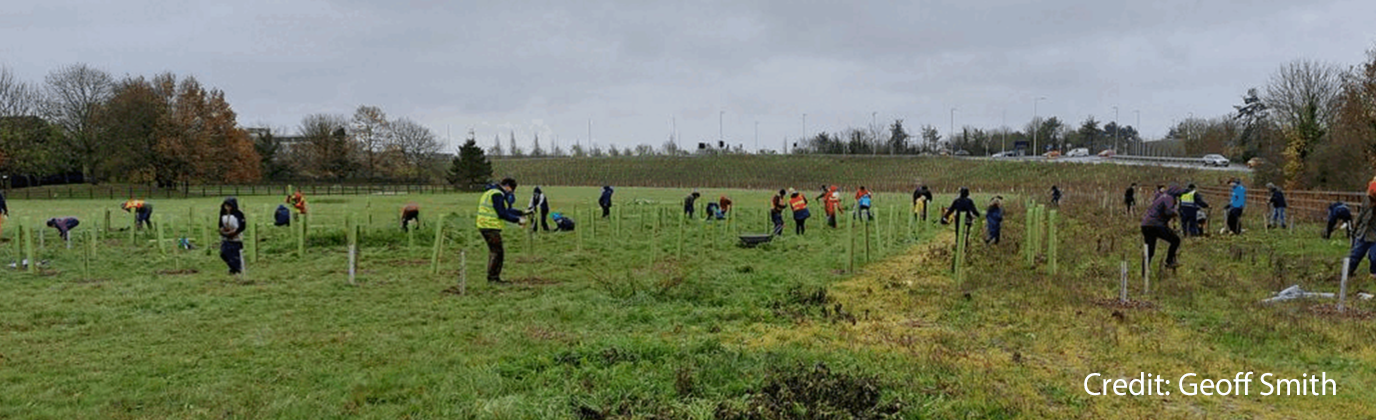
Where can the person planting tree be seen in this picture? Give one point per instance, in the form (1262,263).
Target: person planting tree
(964,206)
(690,204)
(1338,212)
(493,210)
(863,200)
(798,203)
(63,225)
(539,205)
(1364,235)
(776,211)
(143,212)
(1156,225)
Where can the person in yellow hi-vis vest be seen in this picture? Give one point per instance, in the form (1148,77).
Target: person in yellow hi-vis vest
(494,208)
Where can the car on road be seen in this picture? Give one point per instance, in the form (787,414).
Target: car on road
(1078,152)
(1107,153)
(1215,160)
(962,152)
(1255,162)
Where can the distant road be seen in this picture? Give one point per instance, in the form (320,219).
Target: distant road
(1095,159)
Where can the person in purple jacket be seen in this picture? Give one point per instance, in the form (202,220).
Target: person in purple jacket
(63,225)
(1156,225)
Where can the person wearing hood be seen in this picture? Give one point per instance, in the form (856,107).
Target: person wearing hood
(1156,225)
(1236,202)
(725,203)
(1277,203)
(863,201)
(281,216)
(539,204)
(143,212)
(798,203)
(232,225)
(605,201)
(562,223)
(63,225)
(922,198)
(776,211)
(965,207)
(1190,203)
(831,202)
(1338,212)
(493,210)
(993,216)
(410,212)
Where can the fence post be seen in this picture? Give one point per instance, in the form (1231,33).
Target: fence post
(352,235)
(1342,287)
(463,271)
(1123,283)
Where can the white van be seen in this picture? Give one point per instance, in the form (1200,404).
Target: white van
(1078,152)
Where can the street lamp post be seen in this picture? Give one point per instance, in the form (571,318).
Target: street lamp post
(952,137)
(1116,128)
(1035,125)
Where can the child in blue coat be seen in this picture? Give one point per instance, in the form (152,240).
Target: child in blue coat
(993,217)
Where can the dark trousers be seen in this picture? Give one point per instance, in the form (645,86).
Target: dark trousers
(831,219)
(496,253)
(606,211)
(1151,233)
(544,221)
(1333,219)
(143,217)
(995,233)
(232,254)
(778,219)
(799,226)
(1235,220)
(407,218)
(1359,250)
(1189,221)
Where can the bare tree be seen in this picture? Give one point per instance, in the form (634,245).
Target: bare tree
(17,98)
(1304,90)
(370,131)
(326,149)
(74,93)
(417,144)
(1303,97)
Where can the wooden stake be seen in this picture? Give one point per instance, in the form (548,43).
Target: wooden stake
(1123,283)
(1342,287)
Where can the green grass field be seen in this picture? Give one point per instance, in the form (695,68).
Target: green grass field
(644,316)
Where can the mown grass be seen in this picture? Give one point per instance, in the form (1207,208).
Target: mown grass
(620,324)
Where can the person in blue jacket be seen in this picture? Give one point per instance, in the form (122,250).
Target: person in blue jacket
(282,216)
(606,201)
(1236,202)
(1338,212)
(993,215)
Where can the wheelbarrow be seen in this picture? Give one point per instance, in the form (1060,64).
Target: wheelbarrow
(749,241)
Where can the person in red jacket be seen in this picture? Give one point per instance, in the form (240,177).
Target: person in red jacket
(831,202)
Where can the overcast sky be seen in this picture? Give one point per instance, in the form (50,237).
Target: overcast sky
(635,67)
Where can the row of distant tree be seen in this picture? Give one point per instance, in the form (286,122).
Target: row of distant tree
(82,124)
(1313,126)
